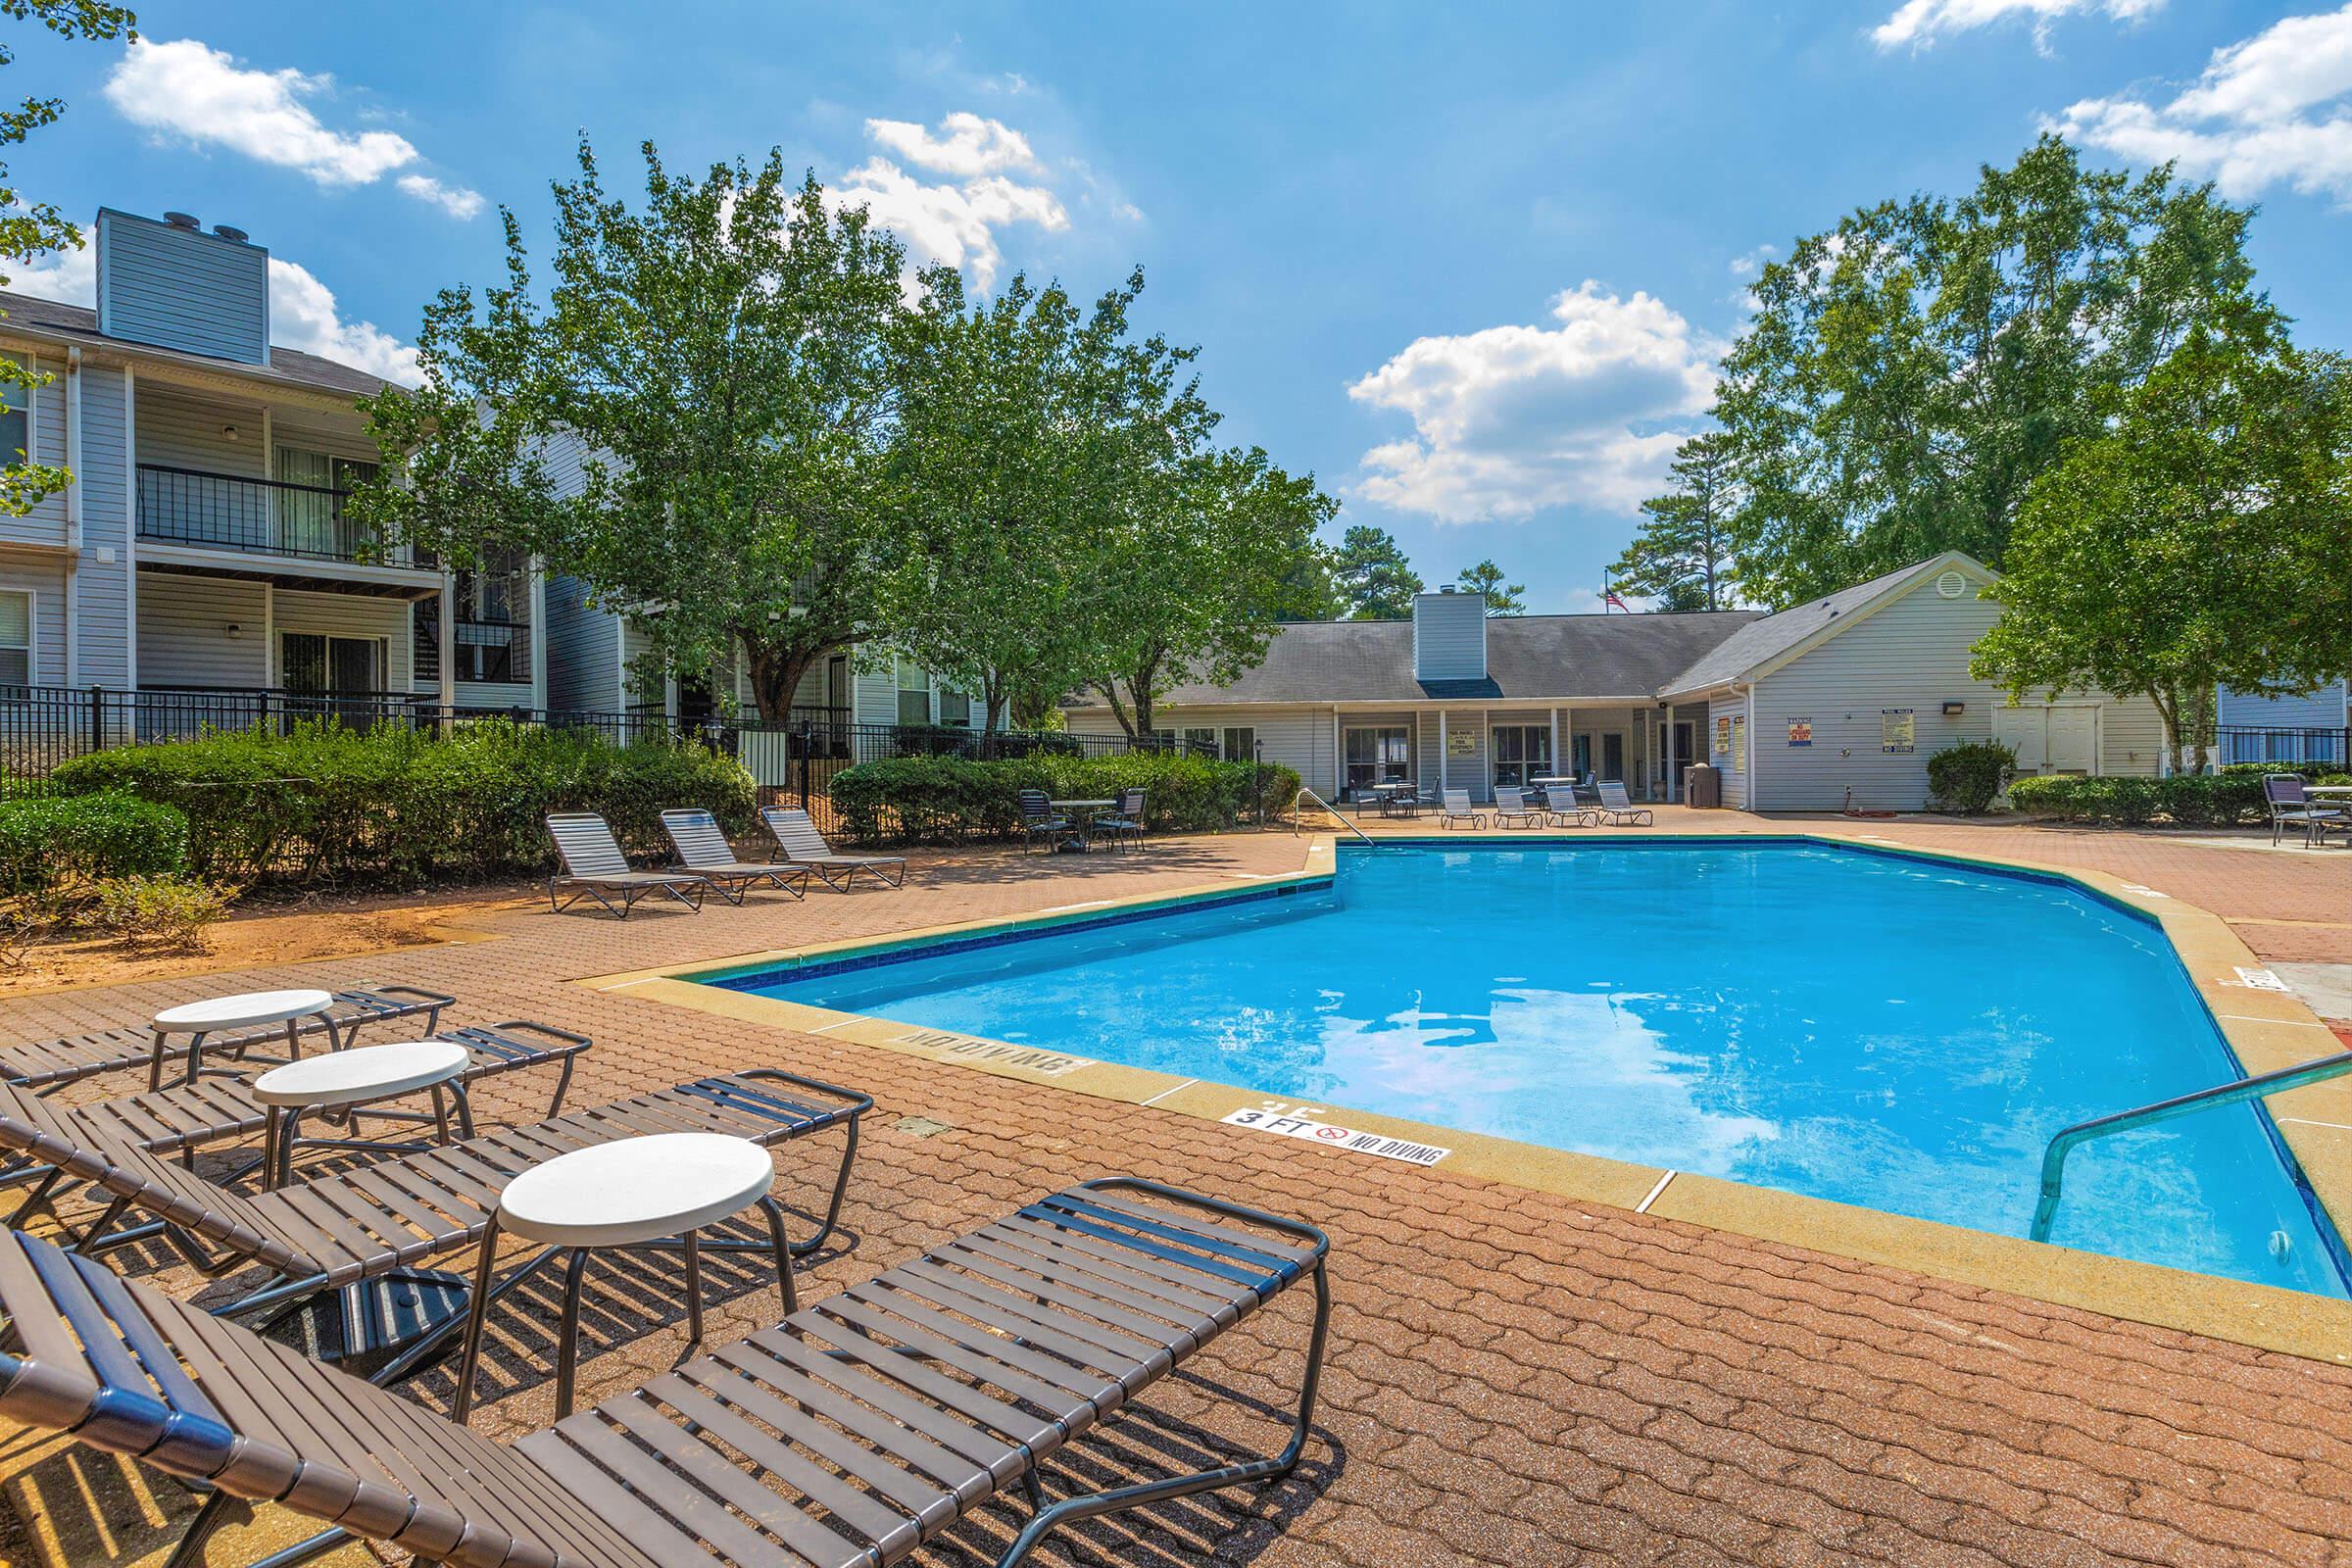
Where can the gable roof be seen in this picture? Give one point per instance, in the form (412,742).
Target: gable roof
(1529,657)
(56,319)
(1763,641)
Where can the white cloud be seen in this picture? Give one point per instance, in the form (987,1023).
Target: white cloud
(2273,109)
(303,314)
(1749,265)
(186,88)
(966,146)
(1920,23)
(955,221)
(457,201)
(1512,420)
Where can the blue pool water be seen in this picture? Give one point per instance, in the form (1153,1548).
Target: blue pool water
(1875,1029)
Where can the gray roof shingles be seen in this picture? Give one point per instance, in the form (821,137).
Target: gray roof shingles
(285,365)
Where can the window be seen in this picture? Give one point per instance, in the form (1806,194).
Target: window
(311,519)
(16,426)
(316,664)
(1522,753)
(1376,756)
(1580,755)
(1201,743)
(954,709)
(914,693)
(16,638)
(1241,743)
(1164,739)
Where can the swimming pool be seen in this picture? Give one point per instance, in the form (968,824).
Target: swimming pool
(1879,1029)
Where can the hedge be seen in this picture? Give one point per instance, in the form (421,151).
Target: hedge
(1967,778)
(941,798)
(46,839)
(2186,800)
(321,803)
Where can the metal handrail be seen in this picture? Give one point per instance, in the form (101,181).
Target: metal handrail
(1336,811)
(2261,1086)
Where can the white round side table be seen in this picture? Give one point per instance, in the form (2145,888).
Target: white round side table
(652,1192)
(345,1079)
(247,1010)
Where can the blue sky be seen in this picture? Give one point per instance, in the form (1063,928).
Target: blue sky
(1471,267)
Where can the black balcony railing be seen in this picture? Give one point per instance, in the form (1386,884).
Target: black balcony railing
(260,516)
(489,651)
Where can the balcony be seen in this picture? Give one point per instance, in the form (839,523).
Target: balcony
(221,511)
(487,651)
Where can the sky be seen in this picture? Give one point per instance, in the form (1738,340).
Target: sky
(1472,266)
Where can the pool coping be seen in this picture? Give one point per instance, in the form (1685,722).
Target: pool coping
(2264,1029)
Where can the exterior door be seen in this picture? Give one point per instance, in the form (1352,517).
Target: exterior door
(1674,754)
(2061,738)
(2073,745)
(1374,757)
(1612,755)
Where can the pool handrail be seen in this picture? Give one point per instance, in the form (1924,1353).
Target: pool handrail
(2260,1085)
(1336,811)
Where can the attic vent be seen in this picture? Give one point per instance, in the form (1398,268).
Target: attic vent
(1951,585)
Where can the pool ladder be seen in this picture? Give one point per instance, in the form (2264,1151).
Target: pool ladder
(1333,810)
(2259,1087)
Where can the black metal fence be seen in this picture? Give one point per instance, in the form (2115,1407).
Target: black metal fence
(2251,743)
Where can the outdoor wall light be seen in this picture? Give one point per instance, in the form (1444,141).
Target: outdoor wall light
(228,432)
(1954,709)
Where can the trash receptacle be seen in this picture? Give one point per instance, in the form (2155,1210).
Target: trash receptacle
(1703,786)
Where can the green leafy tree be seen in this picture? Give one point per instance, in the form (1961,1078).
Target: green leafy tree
(1681,558)
(724,358)
(1486,580)
(1908,374)
(2198,542)
(29,227)
(1375,580)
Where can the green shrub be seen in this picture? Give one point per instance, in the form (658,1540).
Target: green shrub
(1967,778)
(2188,800)
(939,798)
(326,804)
(159,914)
(48,839)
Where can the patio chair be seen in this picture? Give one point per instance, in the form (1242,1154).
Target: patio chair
(704,850)
(376,1223)
(189,1116)
(1512,810)
(2290,805)
(799,842)
(594,864)
(850,1434)
(1457,809)
(1038,821)
(1561,809)
(1125,825)
(51,1065)
(1617,810)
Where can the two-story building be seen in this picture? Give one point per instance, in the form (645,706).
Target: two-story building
(204,558)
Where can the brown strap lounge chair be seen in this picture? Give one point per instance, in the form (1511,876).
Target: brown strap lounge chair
(704,850)
(216,1109)
(799,842)
(845,1437)
(595,868)
(382,1220)
(53,1063)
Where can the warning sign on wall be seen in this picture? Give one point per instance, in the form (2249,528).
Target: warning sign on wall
(1897,730)
(1800,732)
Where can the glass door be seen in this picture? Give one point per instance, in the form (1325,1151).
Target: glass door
(1522,753)
(1375,756)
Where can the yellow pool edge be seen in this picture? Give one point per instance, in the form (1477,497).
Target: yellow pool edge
(2265,1029)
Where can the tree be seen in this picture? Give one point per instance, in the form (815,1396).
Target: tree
(1681,557)
(2198,542)
(1486,580)
(1375,580)
(1908,374)
(723,356)
(28,228)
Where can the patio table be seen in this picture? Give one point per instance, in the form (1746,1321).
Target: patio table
(245,1009)
(1079,814)
(341,1081)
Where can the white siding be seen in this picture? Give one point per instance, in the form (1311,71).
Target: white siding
(1466,769)
(102,590)
(43,577)
(2321,709)
(347,616)
(183,289)
(46,524)
(1297,738)
(583,650)
(183,631)
(1449,636)
(182,430)
(1735,777)
(1912,653)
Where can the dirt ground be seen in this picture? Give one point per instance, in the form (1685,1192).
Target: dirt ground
(285,929)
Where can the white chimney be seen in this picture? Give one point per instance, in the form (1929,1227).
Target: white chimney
(172,285)
(1449,636)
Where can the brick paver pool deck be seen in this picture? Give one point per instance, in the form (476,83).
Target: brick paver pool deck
(1513,1376)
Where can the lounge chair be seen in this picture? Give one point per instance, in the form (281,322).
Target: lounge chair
(1561,809)
(850,1434)
(1125,825)
(704,850)
(1039,821)
(2290,806)
(189,1116)
(1618,809)
(51,1065)
(594,864)
(799,842)
(1512,810)
(377,1222)
(1456,810)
